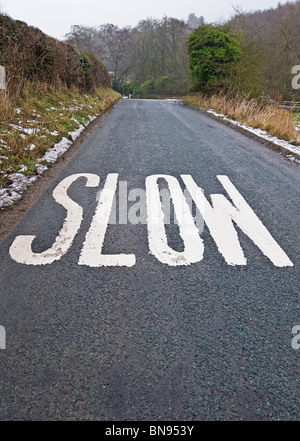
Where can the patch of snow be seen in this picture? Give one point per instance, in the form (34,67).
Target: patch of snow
(23,168)
(40,168)
(30,131)
(75,120)
(56,151)
(8,197)
(293,159)
(20,182)
(16,127)
(77,132)
(14,192)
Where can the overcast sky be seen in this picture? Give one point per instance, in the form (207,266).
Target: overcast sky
(55,17)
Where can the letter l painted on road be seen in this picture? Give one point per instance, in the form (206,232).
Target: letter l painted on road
(91,254)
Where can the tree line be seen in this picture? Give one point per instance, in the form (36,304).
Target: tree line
(150,58)
(270,40)
(251,53)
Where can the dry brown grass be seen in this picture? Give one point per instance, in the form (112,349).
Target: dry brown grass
(265,116)
(7,106)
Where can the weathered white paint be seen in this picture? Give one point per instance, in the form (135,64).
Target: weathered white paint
(296,339)
(91,254)
(2,78)
(21,249)
(193,245)
(2,338)
(219,216)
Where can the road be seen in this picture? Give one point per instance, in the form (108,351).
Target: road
(114,312)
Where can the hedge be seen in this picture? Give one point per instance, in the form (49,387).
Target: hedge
(27,53)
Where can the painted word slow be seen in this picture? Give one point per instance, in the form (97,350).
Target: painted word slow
(221,216)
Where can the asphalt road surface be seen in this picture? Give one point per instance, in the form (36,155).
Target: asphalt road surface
(114,305)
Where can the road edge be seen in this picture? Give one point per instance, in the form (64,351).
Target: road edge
(272,145)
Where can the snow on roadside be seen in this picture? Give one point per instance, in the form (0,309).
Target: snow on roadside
(20,182)
(56,151)
(262,134)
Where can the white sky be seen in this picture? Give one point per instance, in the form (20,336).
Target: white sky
(55,17)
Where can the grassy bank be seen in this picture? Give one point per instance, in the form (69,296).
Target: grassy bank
(38,127)
(41,119)
(265,116)
(53,90)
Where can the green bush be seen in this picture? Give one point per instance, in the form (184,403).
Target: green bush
(213,57)
(147,87)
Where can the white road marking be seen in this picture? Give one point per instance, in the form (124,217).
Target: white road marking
(2,337)
(219,217)
(193,245)
(91,254)
(21,248)
(296,339)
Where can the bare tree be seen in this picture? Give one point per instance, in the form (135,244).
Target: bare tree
(161,54)
(86,38)
(153,50)
(119,58)
(287,41)
(272,35)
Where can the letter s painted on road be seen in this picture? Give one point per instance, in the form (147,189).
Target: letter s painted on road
(21,248)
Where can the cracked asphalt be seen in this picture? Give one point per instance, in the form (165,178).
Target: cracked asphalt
(153,342)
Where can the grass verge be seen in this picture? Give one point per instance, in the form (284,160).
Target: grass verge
(42,117)
(265,116)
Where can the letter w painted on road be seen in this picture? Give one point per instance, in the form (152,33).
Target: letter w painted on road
(219,217)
